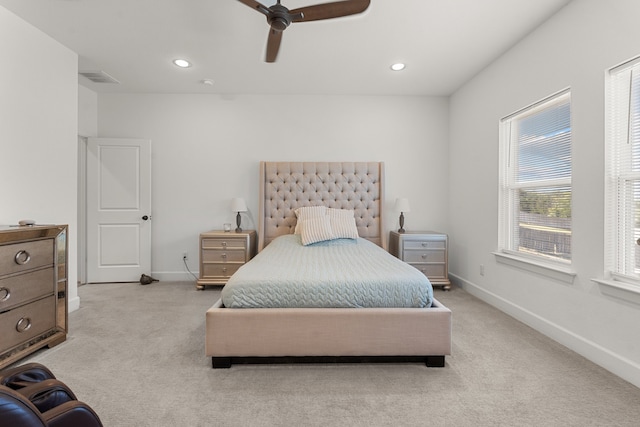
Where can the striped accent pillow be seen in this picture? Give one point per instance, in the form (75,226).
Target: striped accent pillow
(343,223)
(316,229)
(307,212)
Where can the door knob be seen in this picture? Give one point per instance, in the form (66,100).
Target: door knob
(146,217)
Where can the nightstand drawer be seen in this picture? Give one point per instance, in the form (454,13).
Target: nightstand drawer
(219,270)
(224,243)
(424,256)
(432,271)
(223,256)
(425,244)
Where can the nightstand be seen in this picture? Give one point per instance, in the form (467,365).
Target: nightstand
(222,253)
(425,250)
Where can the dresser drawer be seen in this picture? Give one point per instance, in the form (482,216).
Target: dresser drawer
(224,243)
(219,270)
(26,322)
(424,256)
(19,257)
(16,290)
(432,271)
(221,255)
(425,244)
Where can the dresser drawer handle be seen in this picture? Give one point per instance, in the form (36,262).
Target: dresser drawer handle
(224,256)
(22,257)
(224,244)
(23,324)
(425,244)
(224,269)
(424,256)
(4,294)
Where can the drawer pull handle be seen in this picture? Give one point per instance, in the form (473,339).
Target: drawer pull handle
(425,244)
(22,257)
(224,270)
(224,244)
(224,256)
(4,294)
(424,256)
(23,324)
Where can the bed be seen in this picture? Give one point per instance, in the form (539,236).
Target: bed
(397,330)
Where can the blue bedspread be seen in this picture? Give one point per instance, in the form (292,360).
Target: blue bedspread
(336,273)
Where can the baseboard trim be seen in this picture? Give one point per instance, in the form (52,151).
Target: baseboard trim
(73,304)
(174,276)
(618,365)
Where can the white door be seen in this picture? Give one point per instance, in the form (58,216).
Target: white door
(118,209)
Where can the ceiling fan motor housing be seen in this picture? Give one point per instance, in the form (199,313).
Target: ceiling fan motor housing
(279,17)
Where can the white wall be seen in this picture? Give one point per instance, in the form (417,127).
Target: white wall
(207,149)
(573,49)
(87,112)
(38,128)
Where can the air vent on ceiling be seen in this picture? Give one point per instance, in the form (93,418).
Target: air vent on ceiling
(98,77)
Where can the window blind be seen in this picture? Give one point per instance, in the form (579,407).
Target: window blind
(623,171)
(536,179)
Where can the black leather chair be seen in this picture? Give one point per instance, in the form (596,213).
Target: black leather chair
(23,375)
(31,396)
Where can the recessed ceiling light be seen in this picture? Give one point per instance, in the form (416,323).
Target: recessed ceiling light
(207,82)
(398,67)
(182,63)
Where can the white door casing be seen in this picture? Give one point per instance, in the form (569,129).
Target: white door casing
(118,209)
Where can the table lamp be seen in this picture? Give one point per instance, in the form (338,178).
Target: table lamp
(402,205)
(238,205)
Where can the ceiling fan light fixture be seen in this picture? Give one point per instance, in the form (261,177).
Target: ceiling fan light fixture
(182,63)
(279,17)
(399,66)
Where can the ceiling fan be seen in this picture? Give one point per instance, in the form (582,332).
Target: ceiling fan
(279,17)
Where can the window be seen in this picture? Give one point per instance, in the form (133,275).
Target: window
(535,180)
(623,172)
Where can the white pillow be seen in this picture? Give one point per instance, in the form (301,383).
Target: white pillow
(343,223)
(315,229)
(307,212)
(342,213)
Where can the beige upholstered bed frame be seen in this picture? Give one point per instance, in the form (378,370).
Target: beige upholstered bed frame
(259,334)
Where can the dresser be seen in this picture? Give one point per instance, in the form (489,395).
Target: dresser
(222,253)
(425,250)
(33,289)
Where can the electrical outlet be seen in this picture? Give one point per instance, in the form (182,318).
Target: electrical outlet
(185,255)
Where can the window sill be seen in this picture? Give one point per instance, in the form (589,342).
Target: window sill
(551,271)
(620,290)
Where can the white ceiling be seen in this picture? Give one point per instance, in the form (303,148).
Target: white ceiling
(443,42)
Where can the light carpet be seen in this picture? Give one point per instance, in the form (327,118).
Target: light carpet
(136,355)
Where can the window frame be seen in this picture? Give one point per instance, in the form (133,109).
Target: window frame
(618,134)
(554,267)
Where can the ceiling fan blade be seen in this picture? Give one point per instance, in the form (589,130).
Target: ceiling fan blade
(273,45)
(330,10)
(257,6)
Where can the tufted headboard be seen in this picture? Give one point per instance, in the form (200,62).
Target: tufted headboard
(286,186)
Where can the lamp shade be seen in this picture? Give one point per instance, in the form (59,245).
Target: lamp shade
(402,205)
(238,205)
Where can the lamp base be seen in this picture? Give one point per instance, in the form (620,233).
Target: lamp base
(238,220)
(401,229)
